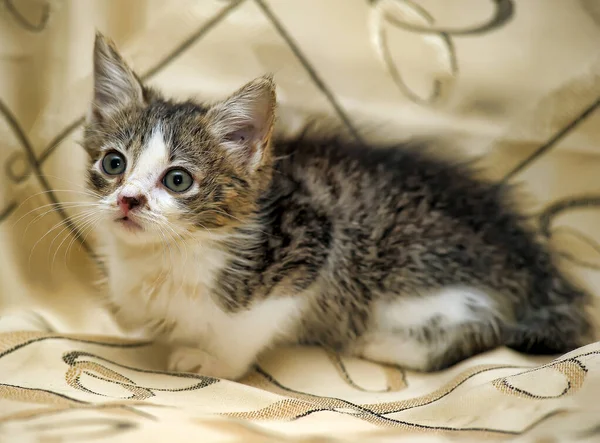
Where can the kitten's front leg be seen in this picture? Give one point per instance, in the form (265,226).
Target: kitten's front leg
(230,344)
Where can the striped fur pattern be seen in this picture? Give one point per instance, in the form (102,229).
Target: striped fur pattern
(390,253)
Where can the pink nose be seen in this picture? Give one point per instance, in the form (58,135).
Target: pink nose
(128,203)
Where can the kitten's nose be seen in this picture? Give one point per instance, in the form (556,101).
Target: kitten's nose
(128,203)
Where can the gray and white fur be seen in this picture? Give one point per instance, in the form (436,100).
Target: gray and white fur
(223,241)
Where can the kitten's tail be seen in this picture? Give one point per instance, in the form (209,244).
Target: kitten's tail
(557,327)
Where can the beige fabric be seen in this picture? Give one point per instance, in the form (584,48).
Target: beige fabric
(517,83)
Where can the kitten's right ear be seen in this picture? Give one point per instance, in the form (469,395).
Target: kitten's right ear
(115,83)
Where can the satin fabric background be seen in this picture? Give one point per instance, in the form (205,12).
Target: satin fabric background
(513,82)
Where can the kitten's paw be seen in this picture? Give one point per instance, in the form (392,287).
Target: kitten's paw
(188,359)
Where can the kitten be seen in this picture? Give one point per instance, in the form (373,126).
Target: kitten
(224,242)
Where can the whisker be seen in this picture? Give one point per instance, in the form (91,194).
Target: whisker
(163,270)
(37,194)
(80,218)
(79,185)
(86,235)
(169,248)
(185,261)
(56,226)
(91,220)
(55,208)
(210,233)
(84,231)
(167,225)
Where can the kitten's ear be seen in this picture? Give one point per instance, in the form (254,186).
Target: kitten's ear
(244,122)
(115,83)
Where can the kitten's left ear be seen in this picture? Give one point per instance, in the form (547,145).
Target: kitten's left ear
(115,83)
(243,123)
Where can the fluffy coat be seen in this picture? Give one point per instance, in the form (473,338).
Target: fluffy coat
(388,253)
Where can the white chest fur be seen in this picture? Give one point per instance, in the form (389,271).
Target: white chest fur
(167,286)
(169,291)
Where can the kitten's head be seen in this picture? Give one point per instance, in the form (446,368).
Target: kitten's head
(163,169)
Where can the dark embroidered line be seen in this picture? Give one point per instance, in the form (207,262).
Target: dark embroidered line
(553,210)
(557,361)
(383,48)
(309,69)
(310,412)
(36,168)
(272,380)
(495,431)
(454,387)
(503,13)
(76,340)
(66,397)
(444,428)
(552,142)
(577,261)
(578,363)
(351,382)
(578,235)
(9,209)
(89,391)
(26,24)
(69,359)
(193,39)
(526,394)
(346,376)
(58,139)
(556,208)
(131,384)
(97,377)
(10,173)
(383,417)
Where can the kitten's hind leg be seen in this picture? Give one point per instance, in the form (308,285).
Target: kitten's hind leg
(432,332)
(441,349)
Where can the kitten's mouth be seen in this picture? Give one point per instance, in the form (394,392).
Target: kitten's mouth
(128,223)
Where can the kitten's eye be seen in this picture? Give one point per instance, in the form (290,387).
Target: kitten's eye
(113,163)
(178,180)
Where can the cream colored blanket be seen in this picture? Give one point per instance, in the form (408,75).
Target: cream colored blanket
(514,82)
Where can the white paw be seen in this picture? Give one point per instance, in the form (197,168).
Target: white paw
(187,359)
